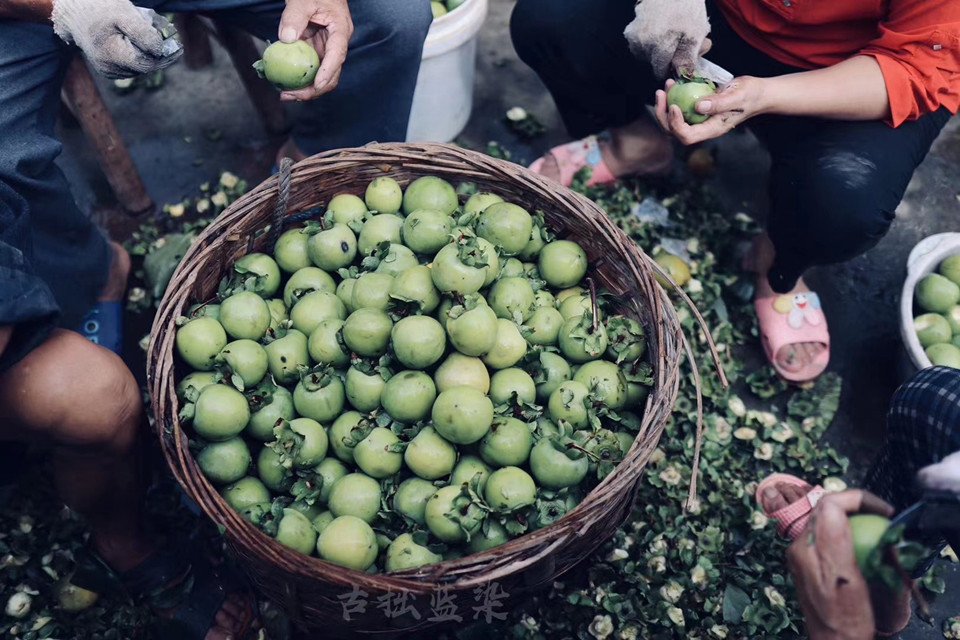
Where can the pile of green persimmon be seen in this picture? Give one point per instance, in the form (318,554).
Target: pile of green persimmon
(412,377)
(442,8)
(937,296)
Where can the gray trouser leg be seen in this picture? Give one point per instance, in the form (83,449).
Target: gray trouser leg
(61,248)
(372,102)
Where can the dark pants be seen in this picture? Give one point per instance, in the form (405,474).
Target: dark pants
(834,186)
(923,428)
(53,260)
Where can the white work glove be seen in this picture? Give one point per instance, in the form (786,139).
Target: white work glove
(119,39)
(670,34)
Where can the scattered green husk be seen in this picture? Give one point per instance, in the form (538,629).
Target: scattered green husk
(715,572)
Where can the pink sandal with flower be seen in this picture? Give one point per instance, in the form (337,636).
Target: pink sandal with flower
(794,319)
(574,156)
(791,519)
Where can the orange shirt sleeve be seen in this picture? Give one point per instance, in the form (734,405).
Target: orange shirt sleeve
(918,50)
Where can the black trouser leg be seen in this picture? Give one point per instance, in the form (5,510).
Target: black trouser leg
(578,50)
(835,186)
(51,253)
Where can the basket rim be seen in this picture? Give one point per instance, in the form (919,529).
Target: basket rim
(426,158)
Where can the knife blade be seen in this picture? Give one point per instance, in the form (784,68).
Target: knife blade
(714,72)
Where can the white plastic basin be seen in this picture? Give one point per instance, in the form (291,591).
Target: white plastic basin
(924,259)
(443,98)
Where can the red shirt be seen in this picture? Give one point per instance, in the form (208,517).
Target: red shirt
(915,42)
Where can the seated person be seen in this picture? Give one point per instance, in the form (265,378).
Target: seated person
(921,453)
(846,96)
(59,275)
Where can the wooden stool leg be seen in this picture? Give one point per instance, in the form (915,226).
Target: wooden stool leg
(193,34)
(243,53)
(82,97)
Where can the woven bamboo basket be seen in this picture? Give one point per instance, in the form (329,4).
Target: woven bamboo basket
(313,592)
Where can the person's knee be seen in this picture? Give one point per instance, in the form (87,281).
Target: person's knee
(923,400)
(524,29)
(115,426)
(71,393)
(411,30)
(842,198)
(402,27)
(535,24)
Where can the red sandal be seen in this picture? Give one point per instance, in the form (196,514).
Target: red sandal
(791,519)
(574,156)
(793,319)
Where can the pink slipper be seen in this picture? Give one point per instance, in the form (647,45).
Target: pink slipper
(791,519)
(793,319)
(574,156)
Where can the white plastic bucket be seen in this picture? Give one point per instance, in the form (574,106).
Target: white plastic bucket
(443,99)
(923,260)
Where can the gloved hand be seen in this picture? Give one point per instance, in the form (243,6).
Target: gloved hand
(119,39)
(669,33)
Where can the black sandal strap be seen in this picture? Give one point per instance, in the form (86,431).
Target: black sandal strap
(161,570)
(191,606)
(185,589)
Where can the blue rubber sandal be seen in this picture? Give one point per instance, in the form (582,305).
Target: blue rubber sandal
(103,325)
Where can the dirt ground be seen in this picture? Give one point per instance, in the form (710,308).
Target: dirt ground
(201,122)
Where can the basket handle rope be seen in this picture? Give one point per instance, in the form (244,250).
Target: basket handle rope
(283,198)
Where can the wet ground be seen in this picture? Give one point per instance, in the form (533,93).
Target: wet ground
(201,122)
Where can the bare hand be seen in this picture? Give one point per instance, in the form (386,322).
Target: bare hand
(737,102)
(327,25)
(832,592)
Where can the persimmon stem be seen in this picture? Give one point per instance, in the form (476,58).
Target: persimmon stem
(594,457)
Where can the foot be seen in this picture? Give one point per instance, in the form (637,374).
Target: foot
(788,501)
(781,494)
(125,553)
(639,148)
(232,620)
(792,357)
(116,286)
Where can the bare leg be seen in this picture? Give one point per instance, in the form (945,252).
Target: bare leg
(792,357)
(116,285)
(82,399)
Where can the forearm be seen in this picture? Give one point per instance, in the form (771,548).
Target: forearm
(28,10)
(851,90)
